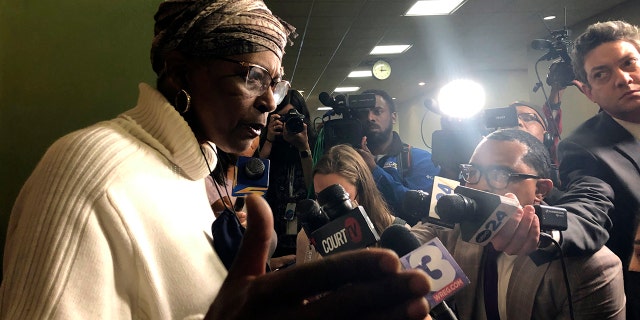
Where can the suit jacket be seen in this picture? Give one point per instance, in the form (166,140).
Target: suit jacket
(603,149)
(537,291)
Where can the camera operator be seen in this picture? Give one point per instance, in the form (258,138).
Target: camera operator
(510,277)
(396,166)
(286,143)
(531,119)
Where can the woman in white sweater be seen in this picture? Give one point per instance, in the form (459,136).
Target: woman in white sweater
(114,222)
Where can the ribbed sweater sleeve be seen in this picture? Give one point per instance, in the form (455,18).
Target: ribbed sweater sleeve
(114,223)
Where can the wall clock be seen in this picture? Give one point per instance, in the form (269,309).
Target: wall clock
(381,70)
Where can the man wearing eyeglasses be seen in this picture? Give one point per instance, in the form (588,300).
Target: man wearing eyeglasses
(606,62)
(532,121)
(511,278)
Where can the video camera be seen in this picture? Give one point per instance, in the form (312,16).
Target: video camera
(348,129)
(560,72)
(349,106)
(454,144)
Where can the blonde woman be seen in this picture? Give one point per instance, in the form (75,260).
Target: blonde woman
(343,165)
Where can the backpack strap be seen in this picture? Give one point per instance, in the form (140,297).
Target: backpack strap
(405,159)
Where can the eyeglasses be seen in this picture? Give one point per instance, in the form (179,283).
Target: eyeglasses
(258,80)
(497,177)
(528,117)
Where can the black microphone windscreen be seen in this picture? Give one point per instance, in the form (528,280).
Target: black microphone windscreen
(432,105)
(416,201)
(254,168)
(451,208)
(541,44)
(326,99)
(330,193)
(310,215)
(399,239)
(334,200)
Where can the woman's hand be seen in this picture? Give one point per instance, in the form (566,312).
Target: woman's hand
(298,140)
(275,127)
(366,154)
(360,284)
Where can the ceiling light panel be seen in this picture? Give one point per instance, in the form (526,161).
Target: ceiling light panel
(434,7)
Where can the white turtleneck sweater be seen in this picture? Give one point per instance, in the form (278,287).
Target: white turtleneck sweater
(114,223)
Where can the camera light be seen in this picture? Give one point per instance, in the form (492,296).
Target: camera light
(461,98)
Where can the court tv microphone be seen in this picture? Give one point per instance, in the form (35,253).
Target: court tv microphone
(349,227)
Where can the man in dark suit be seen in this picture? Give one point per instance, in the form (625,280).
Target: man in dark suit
(606,61)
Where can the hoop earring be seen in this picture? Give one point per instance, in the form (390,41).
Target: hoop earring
(182,101)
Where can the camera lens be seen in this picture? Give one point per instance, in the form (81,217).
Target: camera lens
(295,125)
(293,121)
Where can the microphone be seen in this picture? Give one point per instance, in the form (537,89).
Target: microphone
(252,176)
(552,54)
(418,203)
(445,275)
(399,239)
(326,99)
(432,105)
(541,44)
(415,204)
(349,227)
(310,215)
(480,214)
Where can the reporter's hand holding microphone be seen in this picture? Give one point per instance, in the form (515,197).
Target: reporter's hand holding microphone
(521,233)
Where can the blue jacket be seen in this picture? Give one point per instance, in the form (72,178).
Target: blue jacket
(419,172)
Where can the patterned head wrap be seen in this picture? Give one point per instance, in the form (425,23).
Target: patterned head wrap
(210,28)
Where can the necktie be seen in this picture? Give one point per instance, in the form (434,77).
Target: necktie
(491,283)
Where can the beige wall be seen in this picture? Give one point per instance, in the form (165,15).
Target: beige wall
(501,88)
(504,87)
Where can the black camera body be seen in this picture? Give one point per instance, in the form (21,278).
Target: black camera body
(551,218)
(349,106)
(348,129)
(504,117)
(560,72)
(455,142)
(293,121)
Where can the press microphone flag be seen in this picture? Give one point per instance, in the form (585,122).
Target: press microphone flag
(480,214)
(441,187)
(252,176)
(445,274)
(351,231)
(346,227)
